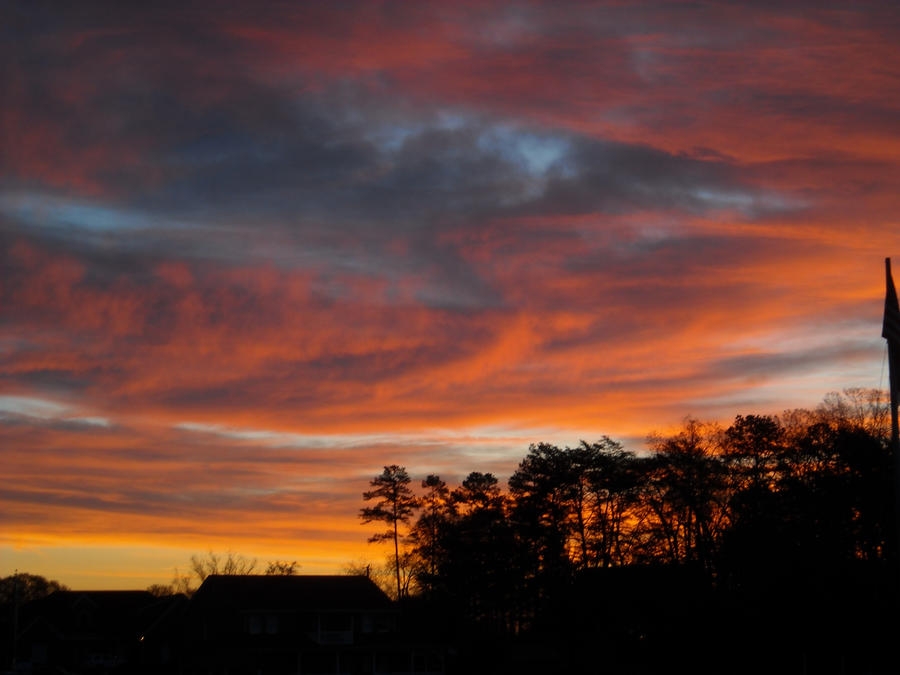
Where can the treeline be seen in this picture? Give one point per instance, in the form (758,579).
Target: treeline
(766,502)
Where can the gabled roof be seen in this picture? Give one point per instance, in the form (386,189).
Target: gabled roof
(99,602)
(307,592)
(107,612)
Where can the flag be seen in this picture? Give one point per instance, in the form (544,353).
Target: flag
(891,327)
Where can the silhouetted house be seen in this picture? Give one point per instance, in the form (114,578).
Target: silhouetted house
(99,631)
(300,624)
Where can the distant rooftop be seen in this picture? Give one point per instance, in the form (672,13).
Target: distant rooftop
(306,592)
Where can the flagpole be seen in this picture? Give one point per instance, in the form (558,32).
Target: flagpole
(891,332)
(895,430)
(891,298)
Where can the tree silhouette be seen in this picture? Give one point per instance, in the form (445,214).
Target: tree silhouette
(542,491)
(217,563)
(395,505)
(787,518)
(607,484)
(23,587)
(283,568)
(478,491)
(480,568)
(685,496)
(430,530)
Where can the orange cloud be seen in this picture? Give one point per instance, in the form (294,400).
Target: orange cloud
(246,261)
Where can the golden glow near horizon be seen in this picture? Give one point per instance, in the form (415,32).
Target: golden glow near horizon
(249,259)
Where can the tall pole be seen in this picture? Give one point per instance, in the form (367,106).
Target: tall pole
(15,626)
(895,431)
(891,332)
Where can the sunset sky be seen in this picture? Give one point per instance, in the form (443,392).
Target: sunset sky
(250,255)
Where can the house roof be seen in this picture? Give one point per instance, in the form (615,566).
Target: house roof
(307,592)
(97,602)
(108,612)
